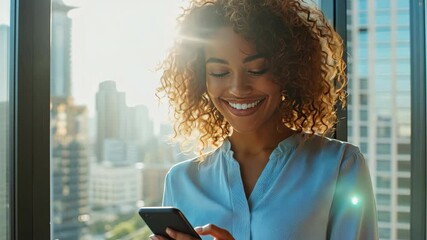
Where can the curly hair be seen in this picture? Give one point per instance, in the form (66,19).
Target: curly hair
(303,51)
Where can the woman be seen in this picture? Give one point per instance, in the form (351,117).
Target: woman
(260,80)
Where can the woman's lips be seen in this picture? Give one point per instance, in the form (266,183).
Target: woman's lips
(243,108)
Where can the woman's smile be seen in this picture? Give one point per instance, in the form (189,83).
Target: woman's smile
(243,107)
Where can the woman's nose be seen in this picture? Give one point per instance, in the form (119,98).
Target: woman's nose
(240,85)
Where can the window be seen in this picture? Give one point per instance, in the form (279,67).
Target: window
(384,233)
(386,99)
(383,199)
(364,131)
(392,230)
(383,216)
(383,132)
(5,116)
(404,166)
(383,148)
(383,165)
(403,183)
(383,182)
(109,136)
(403,200)
(403,234)
(382,4)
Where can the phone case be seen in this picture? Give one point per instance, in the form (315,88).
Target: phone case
(159,218)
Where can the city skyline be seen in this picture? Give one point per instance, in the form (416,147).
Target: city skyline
(127,50)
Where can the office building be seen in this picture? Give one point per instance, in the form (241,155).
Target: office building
(4,130)
(4,62)
(114,189)
(69,168)
(111,115)
(4,167)
(60,66)
(139,127)
(379,104)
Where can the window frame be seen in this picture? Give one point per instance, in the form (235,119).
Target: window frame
(418,119)
(30,121)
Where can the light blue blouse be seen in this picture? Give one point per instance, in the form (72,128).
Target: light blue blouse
(311,188)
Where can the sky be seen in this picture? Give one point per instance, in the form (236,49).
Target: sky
(4,12)
(121,40)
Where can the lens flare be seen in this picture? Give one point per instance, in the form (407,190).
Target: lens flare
(355,200)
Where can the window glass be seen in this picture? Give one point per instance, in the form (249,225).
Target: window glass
(402,4)
(363,4)
(383,182)
(5,115)
(383,165)
(403,35)
(382,4)
(383,50)
(364,131)
(403,18)
(109,136)
(383,35)
(389,94)
(363,19)
(382,18)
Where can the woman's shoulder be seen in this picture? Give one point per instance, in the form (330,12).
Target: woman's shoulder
(195,164)
(332,151)
(325,143)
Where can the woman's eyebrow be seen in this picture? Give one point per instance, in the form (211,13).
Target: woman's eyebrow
(217,60)
(253,57)
(246,60)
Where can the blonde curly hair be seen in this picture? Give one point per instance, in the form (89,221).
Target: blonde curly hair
(303,50)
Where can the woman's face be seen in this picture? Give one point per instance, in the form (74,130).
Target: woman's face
(239,82)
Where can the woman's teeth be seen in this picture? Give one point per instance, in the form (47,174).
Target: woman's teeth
(243,106)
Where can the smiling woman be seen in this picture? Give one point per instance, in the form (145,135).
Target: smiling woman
(260,82)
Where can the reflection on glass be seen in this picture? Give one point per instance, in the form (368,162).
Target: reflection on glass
(379,102)
(4,119)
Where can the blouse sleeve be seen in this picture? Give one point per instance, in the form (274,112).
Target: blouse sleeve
(353,212)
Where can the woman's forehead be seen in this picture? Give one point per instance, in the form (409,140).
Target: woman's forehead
(227,42)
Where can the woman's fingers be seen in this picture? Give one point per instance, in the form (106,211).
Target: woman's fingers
(216,232)
(178,235)
(156,237)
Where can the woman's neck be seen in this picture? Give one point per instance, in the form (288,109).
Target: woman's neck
(258,142)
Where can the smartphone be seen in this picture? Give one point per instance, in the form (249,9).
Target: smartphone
(159,218)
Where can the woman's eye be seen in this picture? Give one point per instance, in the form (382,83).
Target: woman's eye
(219,75)
(258,72)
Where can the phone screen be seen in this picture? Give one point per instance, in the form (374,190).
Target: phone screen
(159,218)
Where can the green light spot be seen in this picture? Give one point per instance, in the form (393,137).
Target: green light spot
(355,200)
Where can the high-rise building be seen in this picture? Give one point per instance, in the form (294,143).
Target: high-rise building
(4,169)
(69,141)
(158,158)
(114,189)
(379,104)
(111,115)
(4,129)
(4,61)
(70,169)
(60,73)
(139,127)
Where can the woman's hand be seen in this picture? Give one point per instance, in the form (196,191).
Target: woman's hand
(209,229)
